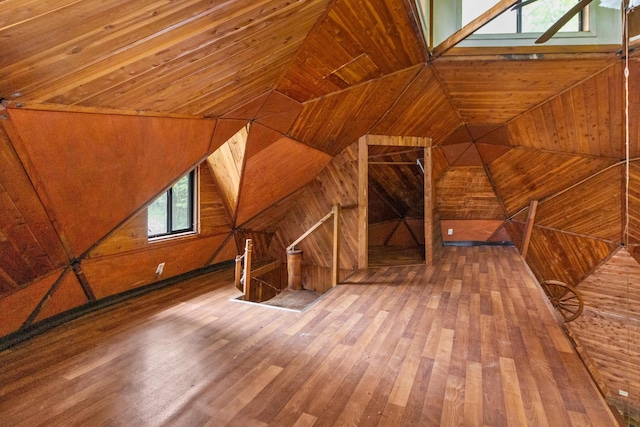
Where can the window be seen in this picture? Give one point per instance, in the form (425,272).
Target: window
(534,17)
(173,212)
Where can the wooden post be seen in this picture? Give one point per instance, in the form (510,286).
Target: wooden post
(335,267)
(363,202)
(428,207)
(238,271)
(533,207)
(294,269)
(247,268)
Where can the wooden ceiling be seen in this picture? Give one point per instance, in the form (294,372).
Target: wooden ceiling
(310,77)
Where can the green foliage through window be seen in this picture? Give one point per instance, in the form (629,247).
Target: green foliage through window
(172,212)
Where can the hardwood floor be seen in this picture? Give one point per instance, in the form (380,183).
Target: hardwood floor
(470,342)
(385,256)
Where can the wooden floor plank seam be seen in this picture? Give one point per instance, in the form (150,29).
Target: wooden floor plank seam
(470,341)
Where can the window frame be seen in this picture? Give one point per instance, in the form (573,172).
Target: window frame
(192,210)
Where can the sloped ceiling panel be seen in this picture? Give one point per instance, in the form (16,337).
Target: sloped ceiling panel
(194,57)
(275,172)
(522,175)
(333,123)
(496,91)
(29,245)
(358,40)
(585,120)
(226,164)
(93,171)
(423,109)
(279,112)
(592,209)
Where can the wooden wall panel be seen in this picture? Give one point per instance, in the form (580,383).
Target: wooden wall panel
(565,257)
(214,217)
(380,232)
(133,235)
(404,237)
(522,175)
(155,55)
(269,219)
(423,109)
(634,202)
(337,183)
(261,242)
(111,275)
(469,229)
(496,91)
(226,164)
(593,208)
(336,121)
(92,171)
(352,45)
(466,193)
(586,120)
(68,295)
(228,251)
(634,108)
(609,328)
(16,308)
(275,172)
(29,245)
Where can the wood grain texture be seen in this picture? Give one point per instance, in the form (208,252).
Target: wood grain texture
(155,55)
(423,109)
(634,203)
(522,175)
(113,172)
(478,230)
(337,183)
(587,119)
(591,209)
(609,328)
(275,172)
(494,92)
(414,345)
(466,193)
(29,244)
(16,308)
(336,121)
(68,295)
(110,275)
(565,257)
(351,45)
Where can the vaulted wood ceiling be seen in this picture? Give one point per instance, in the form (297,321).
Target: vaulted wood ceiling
(108,96)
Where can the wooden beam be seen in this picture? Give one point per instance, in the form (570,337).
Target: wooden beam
(428,207)
(533,207)
(473,26)
(238,271)
(363,202)
(335,265)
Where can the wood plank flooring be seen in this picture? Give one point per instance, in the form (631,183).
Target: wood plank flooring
(469,342)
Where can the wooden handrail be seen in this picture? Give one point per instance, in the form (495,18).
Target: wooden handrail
(313,228)
(335,212)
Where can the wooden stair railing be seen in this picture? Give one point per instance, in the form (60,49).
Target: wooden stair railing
(244,275)
(335,265)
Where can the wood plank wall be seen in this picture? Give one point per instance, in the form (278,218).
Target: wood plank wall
(337,183)
(608,331)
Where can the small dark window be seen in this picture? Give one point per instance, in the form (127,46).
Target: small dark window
(173,211)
